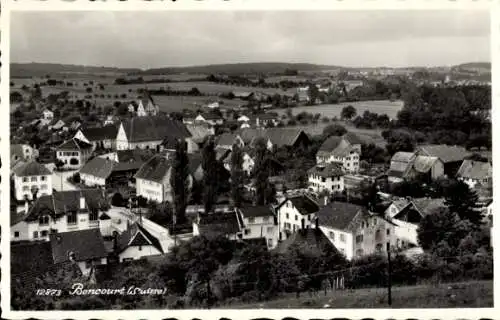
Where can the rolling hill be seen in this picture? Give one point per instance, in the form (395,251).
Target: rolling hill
(21,70)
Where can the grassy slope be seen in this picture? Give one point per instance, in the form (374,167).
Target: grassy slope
(474,294)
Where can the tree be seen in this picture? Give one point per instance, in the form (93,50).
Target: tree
(399,140)
(261,172)
(179,180)
(209,174)
(236,175)
(313,93)
(348,112)
(117,200)
(463,201)
(334,130)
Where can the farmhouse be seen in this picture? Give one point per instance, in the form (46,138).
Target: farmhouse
(32,179)
(103,172)
(135,243)
(345,150)
(149,133)
(295,211)
(327,177)
(247,165)
(74,153)
(408,165)
(60,212)
(450,156)
(228,224)
(83,247)
(146,107)
(475,173)
(99,137)
(227,140)
(22,152)
(259,222)
(210,118)
(48,115)
(279,137)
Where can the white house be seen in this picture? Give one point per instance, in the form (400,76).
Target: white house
(136,242)
(153,179)
(210,118)
(147,107)
(294,210)
(475,173)
(329,177)
(247,164)
(150,132)
(32,177)
(60,212)
(345,150)
(74,153)
(84,247)
(228,224)
(259,222)
(48,115)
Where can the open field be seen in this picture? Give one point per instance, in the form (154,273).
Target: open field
(473,294)
(177,103)
(216,88)
(334,110)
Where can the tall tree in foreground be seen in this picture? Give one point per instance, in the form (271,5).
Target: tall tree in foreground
(261,172)
(236,175)
(179,181)
(209,165)
(463,201)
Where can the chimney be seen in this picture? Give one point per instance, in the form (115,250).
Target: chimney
(82,202)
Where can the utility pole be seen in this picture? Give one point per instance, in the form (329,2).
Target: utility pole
(389,273)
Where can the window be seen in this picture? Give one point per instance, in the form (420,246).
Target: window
(342,237)
(378,247)
(331,235)
(359,238)
(25,179)
(251,220)
(309,217)
(388,231)
(35,234)
(43,178)
(44,233)
(269,242)
(140,248)
(362,224)
(265,219)
(296,217)
(287,225)
(71,217)
(247,231)
(287,216)
(359,252)
(26,188)
(323,179)
(93,215)
(269,229)
(43,220)
(16,234)
(33,179)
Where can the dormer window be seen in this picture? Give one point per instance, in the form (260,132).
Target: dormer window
(43,220)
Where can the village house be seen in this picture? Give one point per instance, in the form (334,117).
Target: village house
(228,140)
(59,125)
(210,118)
(200,132)
(228,224)
(150,132)
(22,152)
(276,137)
(450,156)
(60,212)
(48,115)
(145,107)
(136,242)
(103,172)
(32,178)
(475,173)
(409,165)
(153,179)
(243,95)
(247,164)
(268,119)
(292,211)
(83,247)
(326,177)
(259,222)
(99,137)
(74,153)
(111,120)
(345,150)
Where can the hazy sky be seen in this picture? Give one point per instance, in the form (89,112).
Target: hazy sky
(156,39)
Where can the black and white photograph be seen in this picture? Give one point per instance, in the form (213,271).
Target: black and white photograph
(237,159)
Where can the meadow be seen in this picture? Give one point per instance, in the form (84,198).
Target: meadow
(390,108)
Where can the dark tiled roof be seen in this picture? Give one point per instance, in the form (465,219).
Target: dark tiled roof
(475,170)
(85,244)
(135,155)
(256,211)
(330,143)
(17,150)
(211,116)
(102,133)
(32,168)
(278,136)
(60,203)
(74,144)
(310,237)
(155,169)
(444,152)
(195,160)
(226,139)
(327,171)
(98,167)
(338,215)
(353,138)
(225,223)
(139,129)
(137,235)
(302,203)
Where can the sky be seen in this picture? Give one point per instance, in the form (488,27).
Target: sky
(161,39)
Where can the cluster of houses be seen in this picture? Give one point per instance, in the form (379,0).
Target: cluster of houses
(83,227)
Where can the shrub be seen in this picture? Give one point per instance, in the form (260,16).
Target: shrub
(117,200)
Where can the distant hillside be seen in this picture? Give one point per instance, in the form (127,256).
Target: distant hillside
(242,68)
(475,67)
(20,70)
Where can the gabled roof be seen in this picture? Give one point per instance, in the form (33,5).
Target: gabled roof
(137,235)
(328,170)
(427,205)
(226,139)
(310,237)
(445,153)
(256,211)
(99,167)
(211,116)
(330,144)
(423,164)
(135,155)
(222,222)
(353,138)
(155,169)
(31,168)
(154,128)
(278,136)
(338,215)
(401,164)
(199,132)
(475,170)
(100,133)
(302,203)
(84,244)
(17,150)
(74,144)
(62,202)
